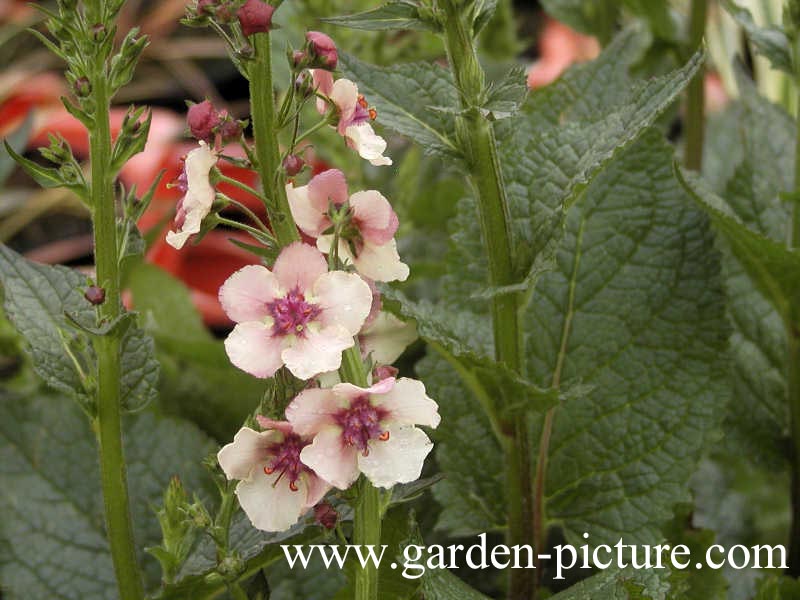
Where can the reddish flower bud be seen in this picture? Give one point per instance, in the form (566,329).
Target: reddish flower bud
(205,7)
(326,515)
(202,119)
(293,164)
(384,372)
(95,295)
(229,128)
(255,16)
(299,58)
(323,50)
(82,87)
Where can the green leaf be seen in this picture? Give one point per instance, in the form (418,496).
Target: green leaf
(484,11)
(627,584)
(506,97)
(48,177)
(773,268)
(770,42)
(593,17)
(776,587)
(52,539)
(17,140)
(140,370)
(403,14)
(36,300)
(406,96)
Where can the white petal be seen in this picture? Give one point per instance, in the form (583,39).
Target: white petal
(345,96)
(397,460)
(331,459)
(251,347)
(386,338)
(199,194)
(318,352)
(312,410)
(247,449)
(298,266)
(345,300)
(409,404)
(368,144)
(381,263)
(245,294)
(272,507)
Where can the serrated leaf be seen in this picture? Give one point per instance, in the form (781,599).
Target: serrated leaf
(399,15)
(770,42)
(484,11)
(36,300)
(627,584)
(140,370)
(507,96)
(773,267)
(593,17)
(404,94)
(52,541)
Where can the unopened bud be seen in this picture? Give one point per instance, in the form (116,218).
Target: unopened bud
(205,8)
(255,16)
(382,372)
(82,87)
(323,50)
(293,164)
(325,515)
(229,128)
(95,295)
(98,32)
(202,119)
(298,58)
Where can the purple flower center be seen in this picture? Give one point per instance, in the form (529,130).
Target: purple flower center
(360,423)
(361,115)
(291,314)
(286,460)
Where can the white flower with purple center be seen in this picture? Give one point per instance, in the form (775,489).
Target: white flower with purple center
(298,314)
(275,488)
(365,430)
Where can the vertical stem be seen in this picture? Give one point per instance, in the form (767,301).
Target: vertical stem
(477,140)
(695,107)
(108,425)
(367,518)
(262,98)
(793,365)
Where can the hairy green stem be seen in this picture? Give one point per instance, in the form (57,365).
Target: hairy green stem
(262,98)
(696,98)
(108,424)
(477,141)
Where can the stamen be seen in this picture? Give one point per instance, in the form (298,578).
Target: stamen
(362,101)
(373,114)
(268,470)
(293,486)
(384,436)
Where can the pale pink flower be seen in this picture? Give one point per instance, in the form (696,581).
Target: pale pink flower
(368,242)
(365,430)
(354,116)
(275,488)
(298,314)
(386,338)
(199,197)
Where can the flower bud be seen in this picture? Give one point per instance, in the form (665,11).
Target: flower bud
(95,295)
(293,164)
(323,50)
(98,32)
(82,87)
(325,515)
(202,119)
(298,59)
(205,8)
(384,372)
(255,16)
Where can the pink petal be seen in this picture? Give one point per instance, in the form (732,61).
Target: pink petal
(345,300)
(397,460)
(328,186)
(199,197)
(374,215)
(317,488)
(251,347)
(408,404)
(245,294)
(271,506)
(310,218)
(317,352)
(298,266)
(351,392)
(381,263)
(331,459)
(266,423)
(323,82)
(312,410)
(345,95)
(248,448)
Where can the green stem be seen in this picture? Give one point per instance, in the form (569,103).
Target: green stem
(476,138)
(367,531)
(108,424)
(220,178)
(262,98)
(306,134)
(695,107)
